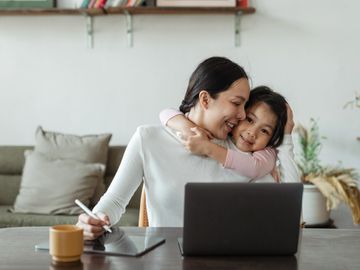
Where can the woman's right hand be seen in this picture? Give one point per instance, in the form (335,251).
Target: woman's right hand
(92,227)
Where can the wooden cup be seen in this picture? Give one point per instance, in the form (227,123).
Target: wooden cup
(66,243)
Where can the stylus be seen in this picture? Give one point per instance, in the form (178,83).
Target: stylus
(91,214)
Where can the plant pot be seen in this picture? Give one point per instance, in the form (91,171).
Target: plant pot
(314,206)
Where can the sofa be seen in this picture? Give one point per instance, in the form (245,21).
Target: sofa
(11,165)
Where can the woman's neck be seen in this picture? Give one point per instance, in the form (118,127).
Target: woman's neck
(195,116)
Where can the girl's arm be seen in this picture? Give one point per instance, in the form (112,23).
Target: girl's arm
(255,165)
(176,120)
(197,142)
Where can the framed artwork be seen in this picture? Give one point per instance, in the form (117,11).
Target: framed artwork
(5,4)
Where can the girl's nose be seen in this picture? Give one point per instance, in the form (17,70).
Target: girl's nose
(251,133)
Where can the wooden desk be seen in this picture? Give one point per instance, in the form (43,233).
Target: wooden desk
(320,249)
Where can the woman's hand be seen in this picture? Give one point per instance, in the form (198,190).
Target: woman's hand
(290,120)
(198,142)
(92,227)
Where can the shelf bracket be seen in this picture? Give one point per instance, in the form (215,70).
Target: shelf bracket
(129,28)
(89,31)
(237,28)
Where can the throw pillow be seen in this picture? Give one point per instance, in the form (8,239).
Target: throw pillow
(50,186)
(88,149)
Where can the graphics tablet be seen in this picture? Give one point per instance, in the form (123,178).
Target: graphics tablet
(117,243)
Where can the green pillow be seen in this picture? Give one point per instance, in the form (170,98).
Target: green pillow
(50,186)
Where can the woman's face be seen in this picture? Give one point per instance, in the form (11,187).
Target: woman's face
(254,132)
(225,112)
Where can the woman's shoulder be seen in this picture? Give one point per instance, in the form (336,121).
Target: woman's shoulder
(151,131)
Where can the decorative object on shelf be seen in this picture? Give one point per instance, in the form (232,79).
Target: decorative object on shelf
(17,4)
(196,3)
(336,184)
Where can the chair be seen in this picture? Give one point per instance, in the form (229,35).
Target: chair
(143,218)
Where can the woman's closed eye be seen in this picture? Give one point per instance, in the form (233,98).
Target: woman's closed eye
(237,103)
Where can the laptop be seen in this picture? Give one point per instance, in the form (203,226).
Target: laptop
(241,219)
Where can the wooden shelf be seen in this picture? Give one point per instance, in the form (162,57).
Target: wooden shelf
(129,10)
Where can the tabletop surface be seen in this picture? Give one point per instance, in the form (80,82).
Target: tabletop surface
(319,249)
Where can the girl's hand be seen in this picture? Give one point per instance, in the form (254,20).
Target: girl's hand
(290,120)
(199,142)
(92,227)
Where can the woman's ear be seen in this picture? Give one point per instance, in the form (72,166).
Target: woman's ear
(204,99)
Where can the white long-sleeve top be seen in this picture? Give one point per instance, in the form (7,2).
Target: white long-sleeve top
(156,156)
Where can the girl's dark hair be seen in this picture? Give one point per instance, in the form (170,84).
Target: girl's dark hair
(277,104)
(214,75)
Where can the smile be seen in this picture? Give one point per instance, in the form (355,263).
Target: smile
(246,141)
(231,125)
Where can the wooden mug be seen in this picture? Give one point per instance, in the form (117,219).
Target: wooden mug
(66,243)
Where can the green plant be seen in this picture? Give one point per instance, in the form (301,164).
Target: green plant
(337,184)
(310,147)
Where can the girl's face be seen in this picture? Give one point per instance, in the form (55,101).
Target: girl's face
(255,132)
(224,113)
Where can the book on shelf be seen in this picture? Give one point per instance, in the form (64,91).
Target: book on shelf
(242,3)
(84,4)
(100,4)
(196,3)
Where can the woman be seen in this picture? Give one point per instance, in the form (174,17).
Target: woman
(217,92)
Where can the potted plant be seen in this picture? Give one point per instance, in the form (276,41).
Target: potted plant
(324,186)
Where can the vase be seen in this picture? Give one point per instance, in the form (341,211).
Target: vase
(314,209)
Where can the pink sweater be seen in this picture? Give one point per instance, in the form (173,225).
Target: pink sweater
(253,165)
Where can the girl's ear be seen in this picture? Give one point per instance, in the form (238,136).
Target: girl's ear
(204,99)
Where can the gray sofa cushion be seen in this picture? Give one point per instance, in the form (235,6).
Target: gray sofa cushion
(50,186)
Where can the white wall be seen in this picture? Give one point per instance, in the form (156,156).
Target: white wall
(307,50)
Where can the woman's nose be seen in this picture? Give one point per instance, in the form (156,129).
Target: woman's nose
(241,113)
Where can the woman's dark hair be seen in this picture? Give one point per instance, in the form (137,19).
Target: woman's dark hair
(215,75)
(277,104)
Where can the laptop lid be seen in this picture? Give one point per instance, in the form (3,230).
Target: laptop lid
(241,218)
